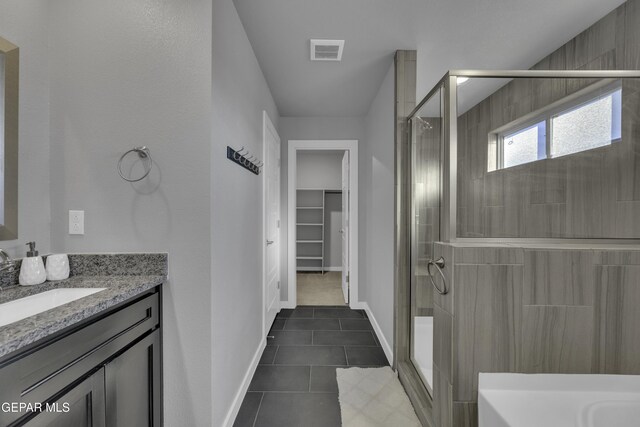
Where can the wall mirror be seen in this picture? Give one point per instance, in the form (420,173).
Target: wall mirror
(9,71)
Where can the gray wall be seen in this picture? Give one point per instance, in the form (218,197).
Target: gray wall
(240,94)
(294,128)
(25,24)
(124,75)
(378,189)
(318,169)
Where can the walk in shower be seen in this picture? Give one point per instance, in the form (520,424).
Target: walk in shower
(524,187)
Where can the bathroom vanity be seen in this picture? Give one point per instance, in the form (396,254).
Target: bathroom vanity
(95,361)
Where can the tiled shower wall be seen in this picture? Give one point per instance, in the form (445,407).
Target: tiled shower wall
(592,194)
(564,309)
(555,308)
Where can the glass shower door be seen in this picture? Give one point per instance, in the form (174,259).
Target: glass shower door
(426,141)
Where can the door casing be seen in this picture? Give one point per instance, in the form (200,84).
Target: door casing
(294,146)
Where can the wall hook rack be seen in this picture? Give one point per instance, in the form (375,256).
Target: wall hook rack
(243,158)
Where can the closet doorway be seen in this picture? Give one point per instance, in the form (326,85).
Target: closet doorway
(322,217)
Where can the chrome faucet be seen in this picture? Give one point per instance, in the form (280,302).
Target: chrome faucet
(6,263)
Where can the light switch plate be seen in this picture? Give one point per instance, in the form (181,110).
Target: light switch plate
(76,222)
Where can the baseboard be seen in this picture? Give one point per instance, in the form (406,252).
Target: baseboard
(388,351)
(237,401)
(333,269)
(287,304)
(356,305)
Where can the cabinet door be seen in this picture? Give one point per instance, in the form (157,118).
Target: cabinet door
(82,406)
(133,385)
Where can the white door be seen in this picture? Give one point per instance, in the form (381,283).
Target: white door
(271,186)
(345,226)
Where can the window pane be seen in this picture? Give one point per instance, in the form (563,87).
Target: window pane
(524,146)
(592,125)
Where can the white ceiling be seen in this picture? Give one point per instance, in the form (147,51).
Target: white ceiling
(447,33)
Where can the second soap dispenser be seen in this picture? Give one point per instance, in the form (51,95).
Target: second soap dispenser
(32,271)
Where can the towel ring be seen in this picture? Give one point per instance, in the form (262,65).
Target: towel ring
(439,264)
(143,153)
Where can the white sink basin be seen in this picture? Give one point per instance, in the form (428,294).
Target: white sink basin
(22,308)
(558,400)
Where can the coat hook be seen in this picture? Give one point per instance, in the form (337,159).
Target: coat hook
(244,158)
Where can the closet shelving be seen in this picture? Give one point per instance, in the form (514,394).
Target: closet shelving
(310,232)
(310,229)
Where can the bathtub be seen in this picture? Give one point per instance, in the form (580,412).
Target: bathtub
(558,400)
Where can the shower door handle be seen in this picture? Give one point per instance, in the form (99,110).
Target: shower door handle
(439,264)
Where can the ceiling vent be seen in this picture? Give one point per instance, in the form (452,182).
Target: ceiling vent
(326,50)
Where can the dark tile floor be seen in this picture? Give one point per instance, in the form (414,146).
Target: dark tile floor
(295,382)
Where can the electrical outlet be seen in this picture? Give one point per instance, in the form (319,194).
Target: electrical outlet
(76,222)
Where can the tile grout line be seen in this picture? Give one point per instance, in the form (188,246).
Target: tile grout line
(255,418)
(339,334)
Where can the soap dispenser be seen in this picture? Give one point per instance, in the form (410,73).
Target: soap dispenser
(32,271)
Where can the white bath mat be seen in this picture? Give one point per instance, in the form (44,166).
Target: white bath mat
(373,397)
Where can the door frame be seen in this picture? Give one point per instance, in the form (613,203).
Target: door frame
(294,146)
(267,126)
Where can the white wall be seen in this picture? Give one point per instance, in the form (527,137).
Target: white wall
(318,128)
(125,74)
(317,169)
(25,24)
(378,186)
(240,94)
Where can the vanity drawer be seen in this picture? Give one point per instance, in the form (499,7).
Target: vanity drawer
(42,372)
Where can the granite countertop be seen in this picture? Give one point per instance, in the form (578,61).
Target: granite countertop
(26,331)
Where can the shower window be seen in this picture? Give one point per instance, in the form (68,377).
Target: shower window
(581,122)
(593,124)
(524,146)
(542,154)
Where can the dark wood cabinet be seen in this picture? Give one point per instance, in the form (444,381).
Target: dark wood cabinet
(133,385)
(81,406)
(106,371)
